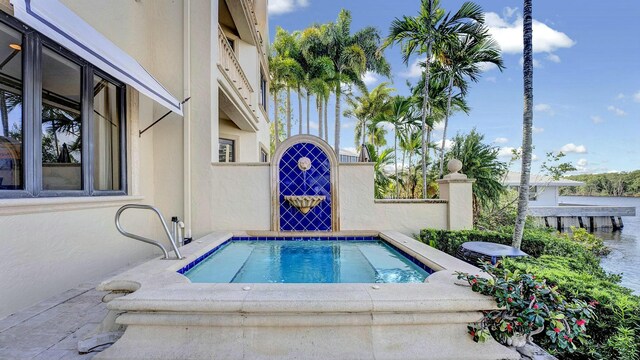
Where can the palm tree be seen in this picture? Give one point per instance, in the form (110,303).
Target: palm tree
(480,162)
(380,162)
(527,124)
(286,53)
(367,106)
(352,55)
(460,59)
(399,115)
(319,72)
(439,103)
(276,85)
(420,35)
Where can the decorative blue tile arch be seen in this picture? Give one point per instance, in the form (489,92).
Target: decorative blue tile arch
(319,179)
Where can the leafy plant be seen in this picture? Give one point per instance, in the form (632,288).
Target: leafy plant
(528,306)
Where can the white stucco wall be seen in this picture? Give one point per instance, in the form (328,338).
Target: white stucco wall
(547,196)
(242,201)
(359,210)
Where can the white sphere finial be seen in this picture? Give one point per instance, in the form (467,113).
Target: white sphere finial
(454,166)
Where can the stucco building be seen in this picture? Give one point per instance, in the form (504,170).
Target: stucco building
(79,80)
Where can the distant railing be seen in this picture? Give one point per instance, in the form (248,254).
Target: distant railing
(231,66)
(249,9)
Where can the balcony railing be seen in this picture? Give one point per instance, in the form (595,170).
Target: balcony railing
(232,69)
(249,9)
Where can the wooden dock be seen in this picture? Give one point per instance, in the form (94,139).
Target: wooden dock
(581,216)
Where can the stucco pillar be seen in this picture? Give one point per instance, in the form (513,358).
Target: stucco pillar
(456,188)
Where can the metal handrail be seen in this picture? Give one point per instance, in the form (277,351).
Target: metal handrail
(144,239)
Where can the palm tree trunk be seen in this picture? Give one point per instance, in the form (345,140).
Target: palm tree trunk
(446,124)
(425,110)
(320,122)
(527,124)
(276,128)
(364,133)
(299,112)
(308,113)
(288,112)
(326,119)
(337,124)
(395,158)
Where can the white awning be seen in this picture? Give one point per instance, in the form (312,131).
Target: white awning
(62,25)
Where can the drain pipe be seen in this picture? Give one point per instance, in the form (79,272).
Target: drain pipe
(186,74)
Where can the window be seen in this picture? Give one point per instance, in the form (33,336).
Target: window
(264,157)
(533,193)
(11,144)
(263,91)
(62,130)
(227,150)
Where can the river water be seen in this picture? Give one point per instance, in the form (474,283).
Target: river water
(624,244)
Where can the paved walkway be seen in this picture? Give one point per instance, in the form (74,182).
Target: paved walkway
(51,329)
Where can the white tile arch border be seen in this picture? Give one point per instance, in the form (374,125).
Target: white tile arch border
(275,178)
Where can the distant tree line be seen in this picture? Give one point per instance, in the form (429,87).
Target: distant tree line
(610,184)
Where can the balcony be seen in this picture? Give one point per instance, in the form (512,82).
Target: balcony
(231,70)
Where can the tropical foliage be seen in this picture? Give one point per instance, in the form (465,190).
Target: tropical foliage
(479,162)
(329,61)
(528,306)
(609,184)
(570,264)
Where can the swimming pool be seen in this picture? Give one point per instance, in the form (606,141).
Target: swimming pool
(306,260)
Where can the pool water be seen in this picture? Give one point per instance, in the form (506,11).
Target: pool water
(322,261)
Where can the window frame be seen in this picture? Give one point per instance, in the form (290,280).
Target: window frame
(233,149)
(32,44)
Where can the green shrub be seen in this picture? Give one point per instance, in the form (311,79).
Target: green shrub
(613,333)
(528,306)
(571,263)
(535,242)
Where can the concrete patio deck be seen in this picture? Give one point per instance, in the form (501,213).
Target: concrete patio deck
(51,329)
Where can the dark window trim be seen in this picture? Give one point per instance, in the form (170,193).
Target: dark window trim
(233,148)
(33,42)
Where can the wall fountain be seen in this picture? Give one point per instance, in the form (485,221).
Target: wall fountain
(304,176)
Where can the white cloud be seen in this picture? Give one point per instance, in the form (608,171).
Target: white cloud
(596,119)
(439,126)
(486,66)
(491,79)
(534,157)
(369,78)
(501,140)
(447,144)
(553,58)
(581,164)
(509,11)
(617,111)
(545,108)
(506,152)
(621,95)
(314,125)
(414,70)
(636,96)
(509,35)
(573,148)
(537,130)
(277,7)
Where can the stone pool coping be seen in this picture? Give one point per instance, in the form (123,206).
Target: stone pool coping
(164,311)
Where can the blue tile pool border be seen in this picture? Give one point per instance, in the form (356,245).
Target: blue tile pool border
(204,256)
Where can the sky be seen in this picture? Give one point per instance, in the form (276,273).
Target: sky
(586,76)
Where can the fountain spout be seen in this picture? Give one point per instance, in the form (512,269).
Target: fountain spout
(304,203)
